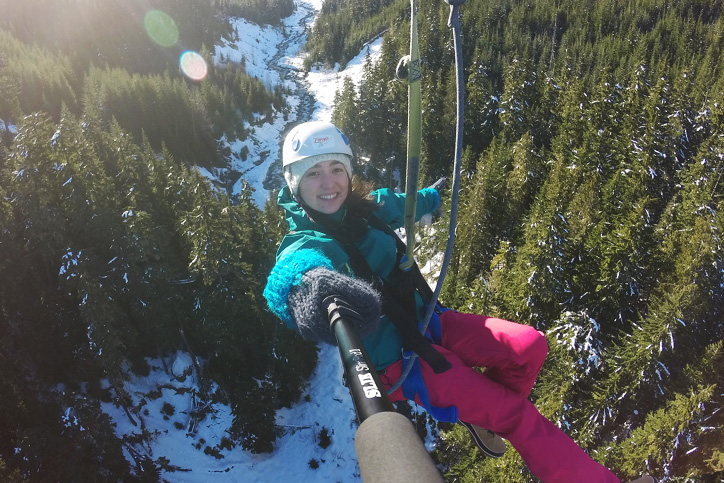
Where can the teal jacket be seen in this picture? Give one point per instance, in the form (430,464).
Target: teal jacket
(379,249)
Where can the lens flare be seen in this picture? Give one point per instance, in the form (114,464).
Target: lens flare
(161,28)
(193,65)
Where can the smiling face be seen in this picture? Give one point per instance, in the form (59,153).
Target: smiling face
(324,186)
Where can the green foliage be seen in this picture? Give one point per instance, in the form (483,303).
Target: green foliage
(345,110)
(591,207)
(346,25)
(113,253)
(170,111)
(464,463)
(118,73)
(361,114)
(259,11)
(33,79)
(662,430)
(113,249)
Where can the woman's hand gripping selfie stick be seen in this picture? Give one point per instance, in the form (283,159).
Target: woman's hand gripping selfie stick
(388,448)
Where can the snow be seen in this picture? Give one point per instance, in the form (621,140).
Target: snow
(254,47)
(167,400)
(324,84)
(166,397)
(181,364)
(277,60)
(12,129)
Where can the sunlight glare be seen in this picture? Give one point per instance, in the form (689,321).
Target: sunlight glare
(161,28)
(193,65)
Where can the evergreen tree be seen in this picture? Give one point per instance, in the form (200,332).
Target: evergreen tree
(345,114)
(536,280)
(102,254)
(589,207)
(477,238)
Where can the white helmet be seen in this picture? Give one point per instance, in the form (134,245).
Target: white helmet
(310,143)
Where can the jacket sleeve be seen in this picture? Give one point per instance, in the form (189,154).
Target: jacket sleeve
(392,205)
(298,253)
(286,274)
(321,242)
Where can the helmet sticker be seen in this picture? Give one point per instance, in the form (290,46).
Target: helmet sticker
(322,143)
(296,144)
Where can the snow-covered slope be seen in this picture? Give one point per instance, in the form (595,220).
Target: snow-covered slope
(274,56)
(197,454)
(194,447)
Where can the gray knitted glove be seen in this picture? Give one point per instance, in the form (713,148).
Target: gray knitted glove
(305,302)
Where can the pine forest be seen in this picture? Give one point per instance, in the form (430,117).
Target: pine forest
(591,207)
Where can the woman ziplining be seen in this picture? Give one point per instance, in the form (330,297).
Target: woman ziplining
(423,352)
(333,214)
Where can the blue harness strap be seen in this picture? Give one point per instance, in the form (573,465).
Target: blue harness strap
(414,384)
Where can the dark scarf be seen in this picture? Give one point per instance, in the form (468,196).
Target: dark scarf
(347,225)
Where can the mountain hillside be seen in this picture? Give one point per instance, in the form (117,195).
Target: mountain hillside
(590,205)
(139,146)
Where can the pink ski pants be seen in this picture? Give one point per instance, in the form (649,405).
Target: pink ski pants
(497,399)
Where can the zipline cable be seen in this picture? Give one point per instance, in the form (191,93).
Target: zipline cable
(414,136)
(454,24)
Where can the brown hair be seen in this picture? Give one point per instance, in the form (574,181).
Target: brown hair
(359,201)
